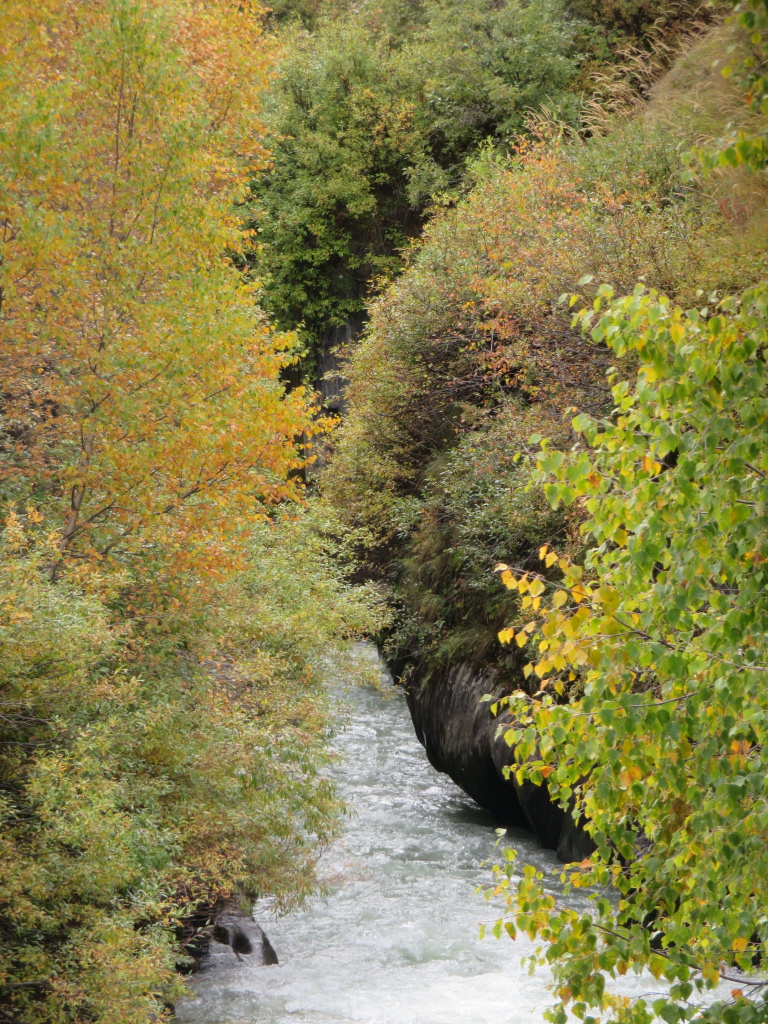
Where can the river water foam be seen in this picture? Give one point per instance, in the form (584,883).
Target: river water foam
(397,940)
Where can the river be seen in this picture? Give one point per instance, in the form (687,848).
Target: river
(397,940)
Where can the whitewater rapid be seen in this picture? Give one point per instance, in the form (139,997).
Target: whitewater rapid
(397,940)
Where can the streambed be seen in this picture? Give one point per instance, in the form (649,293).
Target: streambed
(396,941)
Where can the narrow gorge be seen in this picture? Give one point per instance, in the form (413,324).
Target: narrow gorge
(383,511)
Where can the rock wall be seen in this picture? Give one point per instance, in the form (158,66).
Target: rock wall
(460,737)
(331,382)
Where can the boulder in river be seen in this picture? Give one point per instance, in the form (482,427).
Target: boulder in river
(231,937)
(246,941)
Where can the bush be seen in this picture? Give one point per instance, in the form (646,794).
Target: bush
(145,779)
(475,511)
(470,346)
(373,113)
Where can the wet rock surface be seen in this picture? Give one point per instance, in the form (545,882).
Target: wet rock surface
(232,938)
(462,739)
(237,936)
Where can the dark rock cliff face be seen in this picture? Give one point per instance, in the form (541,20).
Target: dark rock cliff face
(330,379)
(330,382)
(460,738)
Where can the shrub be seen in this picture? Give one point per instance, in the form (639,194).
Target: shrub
(470,342)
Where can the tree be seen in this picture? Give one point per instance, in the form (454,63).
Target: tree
(141,383)
(163,721)
(651,716)
(332,209)
(371,116)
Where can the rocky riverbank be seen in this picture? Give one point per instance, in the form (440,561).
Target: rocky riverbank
(463,740)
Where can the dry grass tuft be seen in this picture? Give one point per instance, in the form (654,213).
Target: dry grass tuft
(624,89)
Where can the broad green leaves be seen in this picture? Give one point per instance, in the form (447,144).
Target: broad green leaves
(747,147)
(661,641)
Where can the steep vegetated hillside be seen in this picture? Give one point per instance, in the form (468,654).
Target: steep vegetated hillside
(471,351)
(375,111)
(615,463)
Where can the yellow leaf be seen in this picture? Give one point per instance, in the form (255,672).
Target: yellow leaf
(631,774)
(677,333)
(508,579)
(506,635)
(550,559)
(711,973)
(740,945)
(543,551)
(528,668)
(536,588)
(522,639)
(559,599)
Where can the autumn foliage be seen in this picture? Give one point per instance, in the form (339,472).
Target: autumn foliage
(162,722)
(611,467)
(139,379)
(163,719)
(659,636)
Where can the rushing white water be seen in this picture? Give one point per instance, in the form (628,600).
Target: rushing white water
(397,940)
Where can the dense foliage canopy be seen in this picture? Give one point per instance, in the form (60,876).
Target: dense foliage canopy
(377,109)
(162,718)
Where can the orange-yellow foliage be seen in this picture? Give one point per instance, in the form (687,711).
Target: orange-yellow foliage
(140,382)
